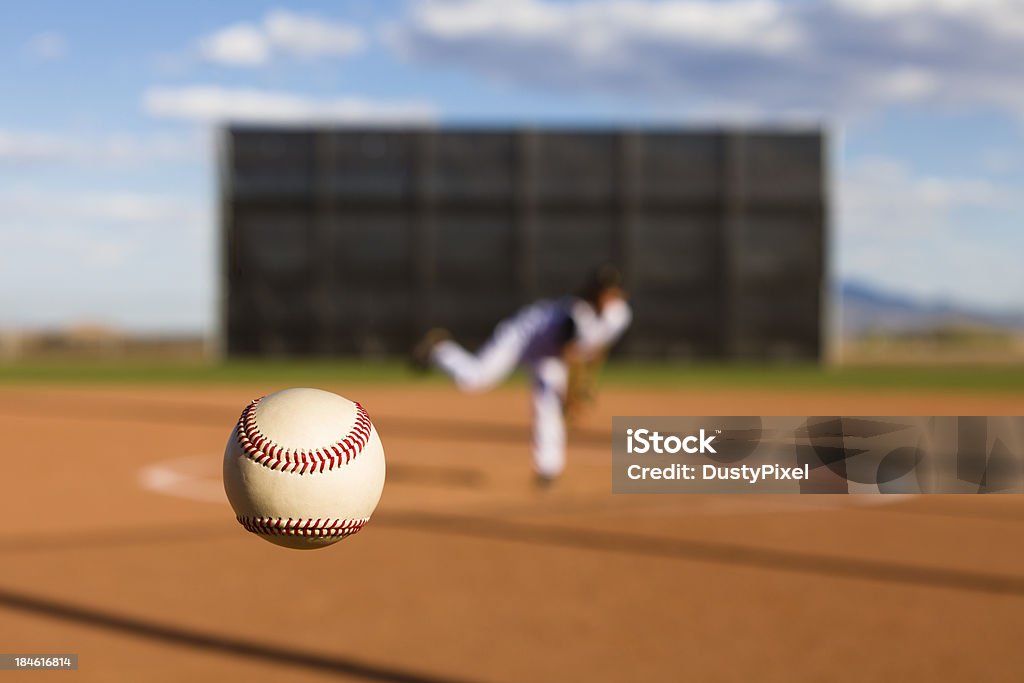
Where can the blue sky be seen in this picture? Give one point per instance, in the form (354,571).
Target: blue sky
(107,190)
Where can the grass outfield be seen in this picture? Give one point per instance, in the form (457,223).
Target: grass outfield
(655,375)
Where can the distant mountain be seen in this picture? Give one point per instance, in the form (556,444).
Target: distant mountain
(864,308)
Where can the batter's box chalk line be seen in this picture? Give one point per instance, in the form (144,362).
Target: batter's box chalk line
(193,477)
(198,478)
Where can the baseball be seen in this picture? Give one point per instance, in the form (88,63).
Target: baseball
(303,468)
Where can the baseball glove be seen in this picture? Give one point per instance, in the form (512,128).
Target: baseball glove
(581,389)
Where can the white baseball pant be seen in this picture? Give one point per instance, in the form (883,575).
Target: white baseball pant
(493,363)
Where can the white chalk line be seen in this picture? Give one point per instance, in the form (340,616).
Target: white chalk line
(198,478)
(194,477)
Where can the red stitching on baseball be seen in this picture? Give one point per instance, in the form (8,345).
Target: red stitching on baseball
(263,451)
(316,528)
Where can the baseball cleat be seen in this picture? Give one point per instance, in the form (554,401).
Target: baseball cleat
(544,481)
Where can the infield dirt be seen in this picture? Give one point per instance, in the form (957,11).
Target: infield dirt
(119,546)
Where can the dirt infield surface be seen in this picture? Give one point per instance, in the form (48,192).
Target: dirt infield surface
(119,546)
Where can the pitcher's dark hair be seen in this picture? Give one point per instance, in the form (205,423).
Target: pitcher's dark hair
(602,278)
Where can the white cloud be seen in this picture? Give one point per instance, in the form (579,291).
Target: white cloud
(929,236)
(211,104)
(1003,17)
(308,36)
(236,45)
(907,84)
(880,195)
(140,261)
(835,57)
(756,24)
(21,146)
(46,46)
(280,33)
(39,210)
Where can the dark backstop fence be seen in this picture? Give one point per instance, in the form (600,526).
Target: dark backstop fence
(354,241)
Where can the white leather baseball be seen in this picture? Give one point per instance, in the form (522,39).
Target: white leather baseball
(303,468)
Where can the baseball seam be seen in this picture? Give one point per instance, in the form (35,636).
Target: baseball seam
(310,527)
(263,451)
